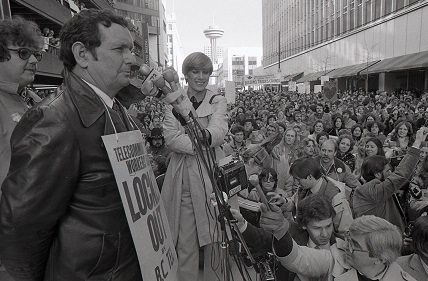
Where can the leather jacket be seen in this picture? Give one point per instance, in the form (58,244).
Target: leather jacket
(61,215)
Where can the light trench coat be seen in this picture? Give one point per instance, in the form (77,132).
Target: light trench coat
(212,116)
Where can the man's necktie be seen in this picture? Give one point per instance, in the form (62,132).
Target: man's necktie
(195,103)
(116,107)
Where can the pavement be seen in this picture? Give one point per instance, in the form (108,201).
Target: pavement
(235,273)
(4,276)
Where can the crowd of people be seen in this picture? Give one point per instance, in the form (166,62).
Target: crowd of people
(346,180)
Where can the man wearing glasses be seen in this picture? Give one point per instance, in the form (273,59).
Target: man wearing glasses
(369,251)
(20,45)
(20,42)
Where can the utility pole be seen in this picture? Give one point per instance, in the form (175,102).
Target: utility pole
(279,51)
(157,40)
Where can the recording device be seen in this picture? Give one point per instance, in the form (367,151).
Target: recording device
(176,99)
(156,78)
(266,273)
(233,177)
(263,197)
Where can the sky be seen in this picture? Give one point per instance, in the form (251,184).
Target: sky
(241,21)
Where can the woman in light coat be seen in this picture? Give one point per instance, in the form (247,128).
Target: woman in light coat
(186,190)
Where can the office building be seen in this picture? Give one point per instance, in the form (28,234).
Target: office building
(149,18)
(377,44)
(174,48)
(238,62)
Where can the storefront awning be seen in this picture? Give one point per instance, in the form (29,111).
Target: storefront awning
(313,76)
(351,70)
(293,77)
(412,61)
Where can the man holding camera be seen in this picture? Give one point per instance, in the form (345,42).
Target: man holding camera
(314,229)
(369,251)
(377,196)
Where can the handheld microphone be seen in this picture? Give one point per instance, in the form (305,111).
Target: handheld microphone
(177,100)
(150,75)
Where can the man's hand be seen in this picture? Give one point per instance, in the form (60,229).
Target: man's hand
(149,89)
(276,199)
(240,219)
(254,180)
(421,135)
(273,221)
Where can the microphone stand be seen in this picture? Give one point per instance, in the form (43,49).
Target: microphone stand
(200,143)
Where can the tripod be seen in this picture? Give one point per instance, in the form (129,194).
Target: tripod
(206,156)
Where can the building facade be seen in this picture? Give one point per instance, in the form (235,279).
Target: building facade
(51,15)
(238,62)
(357,42)
(150,19)
(174,48)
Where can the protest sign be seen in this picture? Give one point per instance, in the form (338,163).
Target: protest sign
(143,206)
(330,91)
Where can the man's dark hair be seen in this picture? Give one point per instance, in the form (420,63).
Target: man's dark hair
(20,32)
(372,165)
(84,27)
(314,207)
(237,128)
(323,133)
(304,167)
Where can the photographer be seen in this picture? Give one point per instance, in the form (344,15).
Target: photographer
(369,251)
(314,229)
(377,196)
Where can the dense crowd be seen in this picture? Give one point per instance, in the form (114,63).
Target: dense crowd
(342,184)
(286,138)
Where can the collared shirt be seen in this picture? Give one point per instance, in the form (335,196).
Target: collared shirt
(381,275)
(317,186)
(107,100)
(311,244)
(326,171)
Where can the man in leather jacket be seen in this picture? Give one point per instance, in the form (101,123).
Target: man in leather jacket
(61,216)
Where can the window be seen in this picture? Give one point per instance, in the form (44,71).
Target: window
(368,11)
(359,15)
(377,12)
(388,7)
(338,26)
(345,23)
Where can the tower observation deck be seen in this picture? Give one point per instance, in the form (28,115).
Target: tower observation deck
(213,33)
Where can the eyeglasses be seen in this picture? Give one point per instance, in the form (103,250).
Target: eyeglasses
(270,179)
(25,53)
(350,247)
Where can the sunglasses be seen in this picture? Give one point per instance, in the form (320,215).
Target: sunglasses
(270,179)
(25,53)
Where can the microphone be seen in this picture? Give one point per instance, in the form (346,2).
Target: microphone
(173,96)
(150,75)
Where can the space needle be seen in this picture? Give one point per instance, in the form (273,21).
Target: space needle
(213,32)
